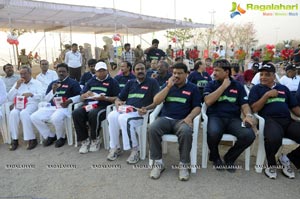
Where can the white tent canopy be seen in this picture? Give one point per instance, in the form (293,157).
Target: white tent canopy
(44,16)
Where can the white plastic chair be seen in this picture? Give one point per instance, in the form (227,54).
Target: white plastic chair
(225,137)
(67,122)
(173,138)
(261,153)
(4,127)
(104,125)
(140,130)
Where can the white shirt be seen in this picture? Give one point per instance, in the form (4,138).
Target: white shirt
(291,83)
(10,81)
(3,94)
(47,78)
(33,86)
(222,53)
(73,60)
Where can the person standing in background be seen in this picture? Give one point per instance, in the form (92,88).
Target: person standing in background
(73,59)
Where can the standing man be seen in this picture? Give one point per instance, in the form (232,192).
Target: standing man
(194,54)
(225,99)
(60,93)
(46,76)
(73,59)
(181,100)
(139,54)
(128,54)
(139,94)
(126,75)
(10,78)
(26,93)
(23,59)
(154,52)
(97,94)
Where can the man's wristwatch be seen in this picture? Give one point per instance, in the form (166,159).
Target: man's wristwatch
(250,115)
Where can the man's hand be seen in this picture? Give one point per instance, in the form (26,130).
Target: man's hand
(142,111)
(66,103)
(272,93)
(27,94)
(55,86)
(19,82)
(226,83)
(119,103)
(87,94)
(188,121)
(171,82)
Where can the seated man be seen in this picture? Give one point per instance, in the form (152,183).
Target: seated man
(46,76)
(139,94)
(162,75)
(90,74)
(126,74)
(182,102)
(97,94)
(10,78)
(274,102)
(60,93)
(26,93)
(225,99)
(291,79)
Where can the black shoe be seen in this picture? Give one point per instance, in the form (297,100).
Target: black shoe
(60,142)
(218,164)
(32,144)
(14,145)
(231,168)
(49,141)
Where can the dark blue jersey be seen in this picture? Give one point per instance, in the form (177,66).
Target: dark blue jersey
(200,79)
(139,94)
(69,88)
(277,107)
(109,87)
(124,79)
(181,101)
(229,103)
(85,77)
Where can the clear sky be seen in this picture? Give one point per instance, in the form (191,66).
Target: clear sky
(270,29)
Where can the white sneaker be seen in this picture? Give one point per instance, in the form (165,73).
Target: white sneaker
(134,157)
(114,154)
(184,173)
(84,146)
(287,170)
(95,145)
(271,173)
(156,171)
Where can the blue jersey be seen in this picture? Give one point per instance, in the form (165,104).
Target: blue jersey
(109,86)
(122,79)
(85,77)
(69,88)
(139,94)
(181,101)
(200,79)
(229,103)
(162,80)
(277,107)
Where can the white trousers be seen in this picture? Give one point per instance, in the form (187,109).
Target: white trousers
(56,117)
(16,115)
(127,122)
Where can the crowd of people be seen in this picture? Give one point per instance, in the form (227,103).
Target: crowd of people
(145,80)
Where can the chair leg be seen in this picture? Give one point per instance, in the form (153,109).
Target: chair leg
(247,158)
(164,147)
(68,124)
(260,158)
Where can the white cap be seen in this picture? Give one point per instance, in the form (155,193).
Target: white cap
(100,65)
(287,46)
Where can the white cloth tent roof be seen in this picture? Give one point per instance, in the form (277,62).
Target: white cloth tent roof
(45,16)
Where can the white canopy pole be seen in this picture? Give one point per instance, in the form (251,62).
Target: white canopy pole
(45,46)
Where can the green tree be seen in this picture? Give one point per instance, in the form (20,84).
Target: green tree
(182,35)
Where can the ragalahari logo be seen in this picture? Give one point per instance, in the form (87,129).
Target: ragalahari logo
(236,10)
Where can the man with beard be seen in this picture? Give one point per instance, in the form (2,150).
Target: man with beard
(10,78)
(125,75)
(182,102)
(138,94)
(60,93)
